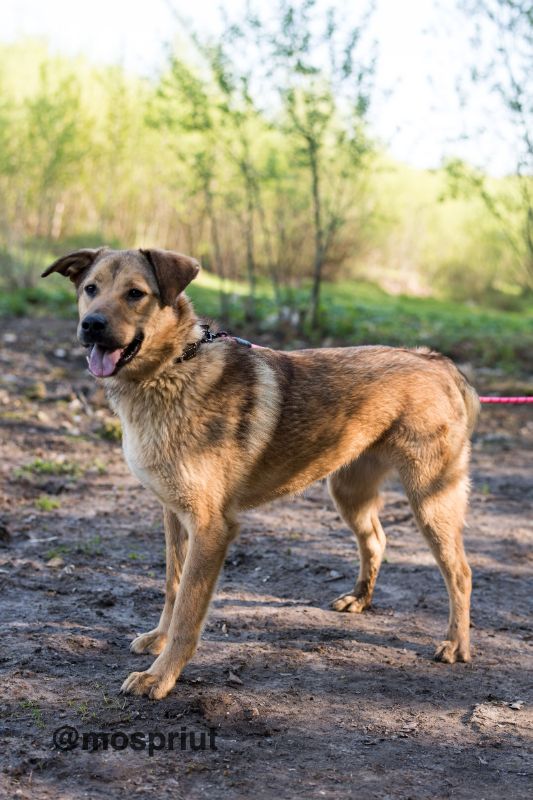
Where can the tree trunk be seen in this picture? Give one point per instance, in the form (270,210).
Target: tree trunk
(272,266)
(250,255)
(215,241)
(319,235)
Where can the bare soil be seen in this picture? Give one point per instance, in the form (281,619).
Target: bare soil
(303,702)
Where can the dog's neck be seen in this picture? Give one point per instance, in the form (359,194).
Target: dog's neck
(148,405)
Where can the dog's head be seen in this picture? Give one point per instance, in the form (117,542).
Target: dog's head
(128,302)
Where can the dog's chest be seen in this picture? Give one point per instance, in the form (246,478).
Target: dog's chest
(144,453)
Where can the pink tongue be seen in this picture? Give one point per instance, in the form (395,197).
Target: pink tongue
(102,362)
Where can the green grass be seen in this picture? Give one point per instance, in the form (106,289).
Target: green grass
(36,712)
(353,312)
(468,333)
(51,298)
(49,467)
(110,430)
(57,552)
(92,547)
(47,503)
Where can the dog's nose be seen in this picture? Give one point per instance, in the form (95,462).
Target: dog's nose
(94,323)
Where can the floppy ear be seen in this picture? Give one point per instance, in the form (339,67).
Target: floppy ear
(75,264)
(173,272)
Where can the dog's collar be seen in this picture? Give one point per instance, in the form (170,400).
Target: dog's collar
(192,349)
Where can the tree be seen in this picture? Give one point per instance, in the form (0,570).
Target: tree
(506,72)
(240,126)
(54,145)
(185,108)
(323,83)
(303,76)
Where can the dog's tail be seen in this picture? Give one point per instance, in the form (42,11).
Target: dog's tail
(471,401)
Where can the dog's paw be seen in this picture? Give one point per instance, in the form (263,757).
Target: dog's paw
(152,642)
(451,651)
(350,603)
(147,683)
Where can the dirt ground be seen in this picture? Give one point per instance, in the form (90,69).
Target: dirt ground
(299,700)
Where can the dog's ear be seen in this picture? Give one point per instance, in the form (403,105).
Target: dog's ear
(74,265)
(173,272)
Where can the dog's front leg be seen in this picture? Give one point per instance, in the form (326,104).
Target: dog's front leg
(208,543)
(176,549)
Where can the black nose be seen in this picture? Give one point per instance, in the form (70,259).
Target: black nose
(94,323)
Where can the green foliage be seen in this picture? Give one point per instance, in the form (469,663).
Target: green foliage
(57,299)
(363,315)
(36,711)
(269,176)
(92,547)
(47,503)
(356,312)
(49,467)
(111,430)
(57,552)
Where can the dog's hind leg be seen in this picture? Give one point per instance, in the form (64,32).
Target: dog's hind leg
(355,490)
(176,549)
(439,505)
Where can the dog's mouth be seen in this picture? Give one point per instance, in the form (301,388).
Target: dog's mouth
(105,362)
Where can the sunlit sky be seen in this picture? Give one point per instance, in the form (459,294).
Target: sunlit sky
(423,50)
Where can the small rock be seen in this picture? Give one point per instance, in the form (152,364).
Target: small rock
(55,562)
(516,705)
(233,679)
(105,600)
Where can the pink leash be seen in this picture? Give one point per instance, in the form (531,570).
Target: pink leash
(515,400)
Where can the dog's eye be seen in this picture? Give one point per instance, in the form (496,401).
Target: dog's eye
(91,289)
(135,294)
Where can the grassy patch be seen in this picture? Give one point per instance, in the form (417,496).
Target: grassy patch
(47,503)
(110,430)
(353,312)
(35,709)
(356,312)
(467,333)
(92,547)
(41,300)
(49,467)
(57,552)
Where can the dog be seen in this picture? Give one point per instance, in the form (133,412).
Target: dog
(212,425)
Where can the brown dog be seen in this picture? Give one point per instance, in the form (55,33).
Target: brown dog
(213,428)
